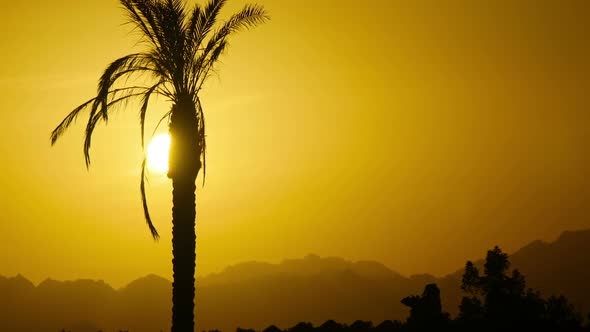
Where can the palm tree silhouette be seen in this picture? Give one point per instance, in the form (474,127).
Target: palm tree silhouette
(182,48)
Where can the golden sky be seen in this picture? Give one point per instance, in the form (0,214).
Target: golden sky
(418,134)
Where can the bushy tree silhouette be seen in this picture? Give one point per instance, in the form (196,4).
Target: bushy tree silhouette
(499,300)
(559,313)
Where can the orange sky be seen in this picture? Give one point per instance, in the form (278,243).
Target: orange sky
(418,135)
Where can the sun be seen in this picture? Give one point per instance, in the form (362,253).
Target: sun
(157,153)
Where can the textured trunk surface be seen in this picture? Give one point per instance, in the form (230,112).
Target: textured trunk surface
(184,168)
(183,253)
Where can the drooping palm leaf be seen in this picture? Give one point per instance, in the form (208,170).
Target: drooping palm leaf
(146,212)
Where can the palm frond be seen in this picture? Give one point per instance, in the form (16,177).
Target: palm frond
(67,121)
(164,117)
(208,19)
(71,118)
(140,21)
(93,120)
(142,13)
(193,22)
(209,63)
(153,13)
(202,23)
(247,18)
(143,111)
(116,69)
(146,212)
(170,17)
(202,137)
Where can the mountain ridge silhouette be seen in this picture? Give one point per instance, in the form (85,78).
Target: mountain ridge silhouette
(257,294)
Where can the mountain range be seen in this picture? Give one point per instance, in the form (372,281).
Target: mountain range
(256,295)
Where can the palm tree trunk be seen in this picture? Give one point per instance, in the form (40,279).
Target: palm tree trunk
(184,166)
(183,253)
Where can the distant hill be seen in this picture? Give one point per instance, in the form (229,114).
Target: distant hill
(257,294)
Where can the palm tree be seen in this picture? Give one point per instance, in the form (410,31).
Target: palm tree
(181,49)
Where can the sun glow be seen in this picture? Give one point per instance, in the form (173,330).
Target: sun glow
(157,153)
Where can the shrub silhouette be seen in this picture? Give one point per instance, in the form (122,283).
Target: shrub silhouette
(301,327)
(426,310)
(272,328)
(331,326)
(361,326)
(243,330)
(388,325)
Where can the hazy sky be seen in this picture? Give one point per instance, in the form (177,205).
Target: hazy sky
(415,133)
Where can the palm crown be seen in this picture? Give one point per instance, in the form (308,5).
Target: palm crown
(181,49)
